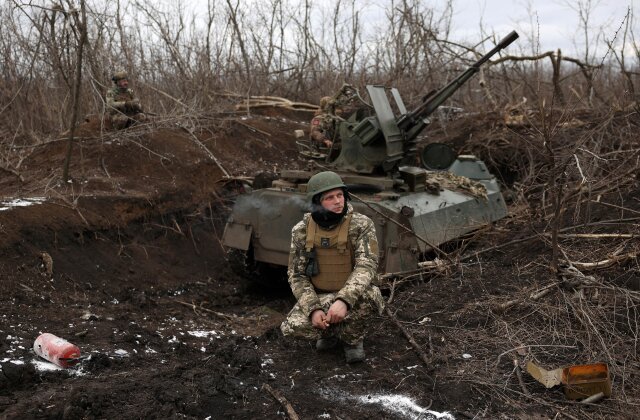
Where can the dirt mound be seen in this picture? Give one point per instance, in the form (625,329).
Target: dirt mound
(125,261)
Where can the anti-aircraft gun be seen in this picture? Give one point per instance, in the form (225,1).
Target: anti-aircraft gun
(414,208)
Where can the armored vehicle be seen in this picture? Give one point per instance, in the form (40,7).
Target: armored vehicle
(415,209)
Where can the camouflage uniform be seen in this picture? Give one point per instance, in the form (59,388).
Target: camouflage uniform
(361,296)
(123,107)
(322,128)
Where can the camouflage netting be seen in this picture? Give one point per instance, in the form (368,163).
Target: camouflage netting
(436,181)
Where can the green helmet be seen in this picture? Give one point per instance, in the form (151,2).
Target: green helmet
(119,75)
(323,182)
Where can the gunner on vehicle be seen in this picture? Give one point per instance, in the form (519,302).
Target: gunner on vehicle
(323,125)
(332,264)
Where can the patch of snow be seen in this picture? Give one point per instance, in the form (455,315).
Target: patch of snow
(202,349)
(266,362)
(467,356)
(42,366)
(17,362)
(21,202)
(405,406)
(202,334)
(78,371)
(121,352)
(399,406)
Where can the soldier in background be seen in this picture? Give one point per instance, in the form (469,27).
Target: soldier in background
(323,125)
(123,108)
(332,264)
(333,109)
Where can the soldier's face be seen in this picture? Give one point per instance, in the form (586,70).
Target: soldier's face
(123,83)
(333,200)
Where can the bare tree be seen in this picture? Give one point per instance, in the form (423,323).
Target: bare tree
(79,27)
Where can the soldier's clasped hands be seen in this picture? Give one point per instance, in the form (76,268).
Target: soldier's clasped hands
(336,313)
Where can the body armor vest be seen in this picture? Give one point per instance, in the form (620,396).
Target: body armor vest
(334,254)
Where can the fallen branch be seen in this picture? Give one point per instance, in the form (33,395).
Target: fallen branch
(593,399)
(282,400)
(537,236)
(104,167)
(273,102)
(615,206)
(425,267)
(534,296)
(412,341)
(14,172)
(597,235)
(211,155)
(200,308)
(71,206)
(140,145)
(529,346)
(252,128)
(516,366)
(166,95)
(616,259)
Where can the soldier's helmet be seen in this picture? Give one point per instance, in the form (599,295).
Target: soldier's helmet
(324,102)
(323,182)
(119,75)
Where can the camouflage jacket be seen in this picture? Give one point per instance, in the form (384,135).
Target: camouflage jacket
(362,236)
(322,128)
(117,101)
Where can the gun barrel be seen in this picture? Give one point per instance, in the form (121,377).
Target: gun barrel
(506,41)
(434,101)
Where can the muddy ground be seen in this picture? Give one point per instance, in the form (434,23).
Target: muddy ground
(140,283)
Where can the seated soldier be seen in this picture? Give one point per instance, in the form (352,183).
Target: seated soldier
(123,108)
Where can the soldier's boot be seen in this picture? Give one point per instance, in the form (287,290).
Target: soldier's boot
(326,343)
(354,353)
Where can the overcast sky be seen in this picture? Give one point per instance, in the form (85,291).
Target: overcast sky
(542,24)
(557,21)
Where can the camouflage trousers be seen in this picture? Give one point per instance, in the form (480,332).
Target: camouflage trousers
(121,121)
(351,330)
